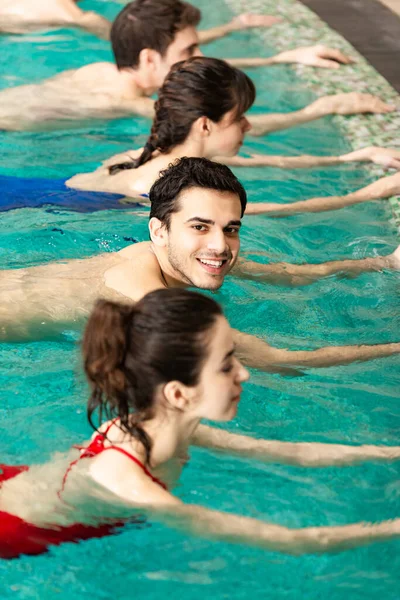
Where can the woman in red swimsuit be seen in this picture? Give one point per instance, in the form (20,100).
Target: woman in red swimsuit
(155,371)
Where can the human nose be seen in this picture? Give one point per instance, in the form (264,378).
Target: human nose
(217,242)
(242,372)
(246,126)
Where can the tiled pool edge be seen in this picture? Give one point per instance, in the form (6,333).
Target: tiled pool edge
(302,27)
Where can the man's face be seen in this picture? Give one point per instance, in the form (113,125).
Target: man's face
(184,46)
(203,239)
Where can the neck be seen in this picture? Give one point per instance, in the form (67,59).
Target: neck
(141,80)
(170,277)
(194,148)
(170,433)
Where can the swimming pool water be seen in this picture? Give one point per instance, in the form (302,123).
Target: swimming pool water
(43,395)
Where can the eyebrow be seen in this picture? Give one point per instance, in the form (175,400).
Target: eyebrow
(229,354)
(237,223)
(192,47)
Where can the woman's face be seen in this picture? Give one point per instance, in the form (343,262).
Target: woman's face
(218,391)
(226,136)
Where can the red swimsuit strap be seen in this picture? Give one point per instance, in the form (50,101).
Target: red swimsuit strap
(139,463)
(95,447)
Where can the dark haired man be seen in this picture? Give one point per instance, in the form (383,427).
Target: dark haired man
(148,37)
(193,243)
(24,16)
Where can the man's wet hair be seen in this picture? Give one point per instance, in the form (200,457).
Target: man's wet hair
(187,173)
(149,24)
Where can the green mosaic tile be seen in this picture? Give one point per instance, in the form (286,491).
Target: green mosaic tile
(302,27)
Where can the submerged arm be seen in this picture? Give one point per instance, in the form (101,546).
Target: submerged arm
(256,353)
(339,104)
(304,454)
(383,188)
(212,524)
(288,274)
(254,532)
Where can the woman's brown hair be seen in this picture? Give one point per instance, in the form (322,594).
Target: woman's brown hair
(130,351)
(194,88)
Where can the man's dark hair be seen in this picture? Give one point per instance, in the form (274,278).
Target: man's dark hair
(149,24)
(189,173)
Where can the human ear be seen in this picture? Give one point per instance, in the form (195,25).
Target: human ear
(177,395)
(202,127)
(149,59)
(158,232)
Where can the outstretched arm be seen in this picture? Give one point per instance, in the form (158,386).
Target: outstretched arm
(93,23)
(303,454)
(386,187)
(277,538)
(256,353)
(313,56)
(289,274)
(338,104)
(388,157)
(243,21)
(159,504)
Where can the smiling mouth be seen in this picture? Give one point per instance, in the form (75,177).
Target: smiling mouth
(212,265)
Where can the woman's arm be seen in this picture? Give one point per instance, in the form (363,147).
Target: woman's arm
(303,454)
(383,188)
(253,532)
(388,157)
(338,104)
(132,485)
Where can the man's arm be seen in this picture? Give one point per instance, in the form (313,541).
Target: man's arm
(302,454)
(93,23)
(243,21)
(337,104)
(256,353)
(312,56)
(288,274)
(386,187)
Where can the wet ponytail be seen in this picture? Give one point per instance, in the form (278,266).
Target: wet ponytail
(105,347)
(130,352)
(194,88)
(134,163)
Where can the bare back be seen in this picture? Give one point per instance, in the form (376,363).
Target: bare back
(130,182)
(48,297)
(95,91)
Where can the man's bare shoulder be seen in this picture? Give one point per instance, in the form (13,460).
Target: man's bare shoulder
(137,274)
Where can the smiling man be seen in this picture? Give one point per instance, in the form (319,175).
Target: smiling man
(148,37)
(196,211)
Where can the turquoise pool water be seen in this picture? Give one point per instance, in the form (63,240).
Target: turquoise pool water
(43,396)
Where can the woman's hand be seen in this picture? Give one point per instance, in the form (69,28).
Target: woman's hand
(349,104)
(387,157)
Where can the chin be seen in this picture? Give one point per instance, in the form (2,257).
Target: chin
(211,284)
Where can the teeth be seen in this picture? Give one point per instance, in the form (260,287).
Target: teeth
(212,263)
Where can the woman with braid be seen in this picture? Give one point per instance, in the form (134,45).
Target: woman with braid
(200,112)
(156,370)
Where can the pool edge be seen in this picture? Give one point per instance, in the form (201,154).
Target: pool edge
(302,27)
